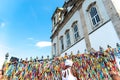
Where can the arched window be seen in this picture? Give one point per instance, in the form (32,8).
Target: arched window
(54,47)
(68,42)
(94,15)
(61,43)
(76,31)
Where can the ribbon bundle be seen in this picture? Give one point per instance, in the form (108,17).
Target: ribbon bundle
(92,66)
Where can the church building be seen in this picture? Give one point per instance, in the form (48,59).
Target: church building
(81,25)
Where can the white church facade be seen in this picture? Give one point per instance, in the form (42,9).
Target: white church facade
(85,24)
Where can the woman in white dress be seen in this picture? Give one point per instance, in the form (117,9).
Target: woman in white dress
(67,73)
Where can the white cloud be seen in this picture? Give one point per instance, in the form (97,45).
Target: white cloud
(2,24)
(43,44)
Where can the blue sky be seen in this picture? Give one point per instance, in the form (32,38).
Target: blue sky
(24,24)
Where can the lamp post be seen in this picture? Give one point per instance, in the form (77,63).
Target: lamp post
(42,57)
(6,56)
(48,57)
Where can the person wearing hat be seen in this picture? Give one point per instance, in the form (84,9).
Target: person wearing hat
(68,72)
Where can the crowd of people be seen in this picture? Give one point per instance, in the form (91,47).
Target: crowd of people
(96,65)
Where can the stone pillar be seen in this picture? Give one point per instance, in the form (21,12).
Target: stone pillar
(113,13)
(52,50)
(57,46)
(85,30)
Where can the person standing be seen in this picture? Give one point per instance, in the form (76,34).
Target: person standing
(68,72)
